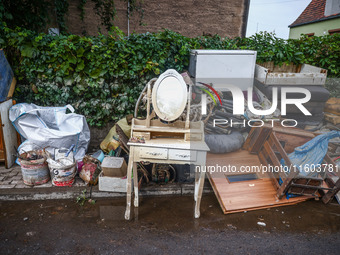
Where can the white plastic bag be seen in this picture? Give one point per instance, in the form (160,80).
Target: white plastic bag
(50,128)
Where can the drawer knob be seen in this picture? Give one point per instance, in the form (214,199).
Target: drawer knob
(182,155)
(154,153)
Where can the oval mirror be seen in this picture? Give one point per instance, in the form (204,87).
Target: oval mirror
(169,95)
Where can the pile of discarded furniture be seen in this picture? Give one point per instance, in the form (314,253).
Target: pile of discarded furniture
(265,146)
(249,166)
(268,182)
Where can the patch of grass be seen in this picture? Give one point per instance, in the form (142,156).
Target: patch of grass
(82,199)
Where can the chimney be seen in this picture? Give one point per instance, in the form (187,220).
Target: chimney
(332,7)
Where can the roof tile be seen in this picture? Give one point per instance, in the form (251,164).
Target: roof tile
(314,11)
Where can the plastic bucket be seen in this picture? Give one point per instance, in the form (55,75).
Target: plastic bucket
(35,172)
(63,175)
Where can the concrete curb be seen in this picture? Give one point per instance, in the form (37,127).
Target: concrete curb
(12,188)
(27,194)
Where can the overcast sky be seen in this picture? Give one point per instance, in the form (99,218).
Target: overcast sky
(274,15)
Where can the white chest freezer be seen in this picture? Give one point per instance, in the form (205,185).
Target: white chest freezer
(223,67)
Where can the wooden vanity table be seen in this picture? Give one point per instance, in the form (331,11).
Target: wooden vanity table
(170,152)
(166,139)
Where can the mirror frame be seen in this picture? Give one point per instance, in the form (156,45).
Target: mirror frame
(174,74)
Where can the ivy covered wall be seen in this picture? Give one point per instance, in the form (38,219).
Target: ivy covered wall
(102,76)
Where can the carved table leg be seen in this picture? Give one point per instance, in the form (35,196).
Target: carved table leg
(128,187)
(199,194)
(199,183)
(196,184)
(135,184)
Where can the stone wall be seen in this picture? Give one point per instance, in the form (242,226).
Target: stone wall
(188,17)
(98,135)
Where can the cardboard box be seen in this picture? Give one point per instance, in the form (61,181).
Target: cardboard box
(113,177)
(114,167)
(112,184)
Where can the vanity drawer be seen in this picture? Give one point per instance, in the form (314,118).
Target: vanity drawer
(156,153)
(185,155)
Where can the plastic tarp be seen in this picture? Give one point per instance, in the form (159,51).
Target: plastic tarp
(50,128)
(308,157)
(6,77)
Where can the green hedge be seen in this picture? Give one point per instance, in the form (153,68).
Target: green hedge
(102,76)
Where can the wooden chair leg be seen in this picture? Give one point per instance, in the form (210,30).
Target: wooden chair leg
(286,184)
(331,193)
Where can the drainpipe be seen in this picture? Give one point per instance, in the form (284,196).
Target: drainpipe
(128,17)
(246,4)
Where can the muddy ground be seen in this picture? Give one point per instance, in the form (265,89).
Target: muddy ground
(165,225)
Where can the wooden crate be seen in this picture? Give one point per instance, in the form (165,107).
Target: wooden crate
(270,74)
(276,145)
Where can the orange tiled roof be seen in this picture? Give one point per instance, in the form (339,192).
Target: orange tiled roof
(314,12)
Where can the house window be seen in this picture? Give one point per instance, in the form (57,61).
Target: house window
(310,34)
(334,31)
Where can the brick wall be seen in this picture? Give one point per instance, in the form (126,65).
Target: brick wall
(188,17)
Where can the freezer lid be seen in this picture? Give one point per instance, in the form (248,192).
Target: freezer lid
(223,52)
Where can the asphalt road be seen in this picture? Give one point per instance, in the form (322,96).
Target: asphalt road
(165,225)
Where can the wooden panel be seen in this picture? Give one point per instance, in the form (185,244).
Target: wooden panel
(284,68)
(274,160)
(271,175)
(333,106)
(173,127)
(145,135)
(257,138)
(244,195)
(262,159)
(2,155)
(12,88)
(280,149)
(293,131)
(9,134)
(193,137)
(333,118)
